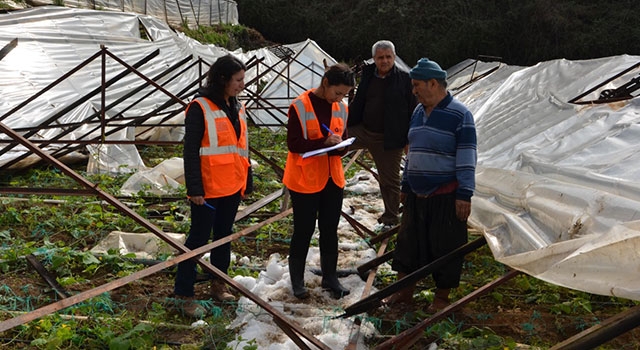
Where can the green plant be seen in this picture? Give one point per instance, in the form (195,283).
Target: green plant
(575,305)
(53,333)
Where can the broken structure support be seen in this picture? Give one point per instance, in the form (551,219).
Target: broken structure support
(603,332)
(155,230)
(409,337)
(375,300)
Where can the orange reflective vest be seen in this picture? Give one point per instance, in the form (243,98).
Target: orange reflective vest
(224,159)
(310,175)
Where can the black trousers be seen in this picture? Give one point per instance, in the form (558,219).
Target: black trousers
(204,222)
(428,231)
(324,206)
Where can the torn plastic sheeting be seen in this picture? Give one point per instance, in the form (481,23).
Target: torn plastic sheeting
(539,225)
(143,245)
(555,178)
(160,180)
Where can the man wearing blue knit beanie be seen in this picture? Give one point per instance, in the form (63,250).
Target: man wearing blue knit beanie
(437,184)
(426,70)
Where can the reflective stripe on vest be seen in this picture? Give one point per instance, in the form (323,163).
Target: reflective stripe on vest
(310,175)
(306,113)
(211,116)
(341,112)
(224,157)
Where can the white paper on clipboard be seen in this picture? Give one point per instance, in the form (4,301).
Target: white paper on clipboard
(344,143)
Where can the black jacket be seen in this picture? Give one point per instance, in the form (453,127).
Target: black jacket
(194,132)
(399,105)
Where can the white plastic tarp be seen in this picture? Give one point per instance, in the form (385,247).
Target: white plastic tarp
(303,72)
(190,13)
(558,190)
(143,245)
(54,40)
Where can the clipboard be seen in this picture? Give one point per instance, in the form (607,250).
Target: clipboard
(344,143)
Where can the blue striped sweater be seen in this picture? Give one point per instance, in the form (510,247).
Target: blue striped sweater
(442,149)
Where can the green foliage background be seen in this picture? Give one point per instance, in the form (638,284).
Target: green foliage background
(521,32)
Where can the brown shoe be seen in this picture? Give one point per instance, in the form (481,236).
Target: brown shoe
(437,305)
(403,296)
(440,301)
(220,292)
(190,307)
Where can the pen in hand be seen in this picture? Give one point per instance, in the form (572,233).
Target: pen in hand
(328,130)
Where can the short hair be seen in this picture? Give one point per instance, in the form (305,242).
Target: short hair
(222,71)
(442,82)
(382,44)
(340,74)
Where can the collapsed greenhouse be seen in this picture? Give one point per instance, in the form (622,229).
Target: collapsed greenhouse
(557,193)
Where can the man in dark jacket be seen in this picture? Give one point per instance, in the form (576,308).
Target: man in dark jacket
(379,118)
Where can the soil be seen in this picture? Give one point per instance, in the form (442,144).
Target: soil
(508,313)
(526,323)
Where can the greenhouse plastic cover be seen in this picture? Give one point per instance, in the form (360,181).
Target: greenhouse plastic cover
(175,12)
(558,192)
(54,40)
(557,185)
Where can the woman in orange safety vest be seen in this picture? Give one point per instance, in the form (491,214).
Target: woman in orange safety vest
(317,119)
(217,173)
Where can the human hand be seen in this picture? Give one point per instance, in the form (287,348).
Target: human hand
(197,200)
(463,209)
(332,140)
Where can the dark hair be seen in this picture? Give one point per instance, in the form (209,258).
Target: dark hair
(222,71)
(339,74)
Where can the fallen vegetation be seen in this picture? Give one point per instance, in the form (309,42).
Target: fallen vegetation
(59,232)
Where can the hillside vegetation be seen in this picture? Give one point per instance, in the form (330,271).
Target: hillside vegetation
(521,32)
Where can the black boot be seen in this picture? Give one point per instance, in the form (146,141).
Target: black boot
(296,273)
(330,278)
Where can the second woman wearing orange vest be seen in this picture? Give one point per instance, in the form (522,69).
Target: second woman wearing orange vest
(217,173)
(317,119)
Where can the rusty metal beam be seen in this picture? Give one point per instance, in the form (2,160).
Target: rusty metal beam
(407,338)
(46,191)
(360,229)
(8,48)
(374,263)
(603,332)
(576,100)
(152,228)
(288,331)
(375,299)
(259,204)
(385,234)
(354,336)
(78,102)
(367,168)
(47,276)
(159,266)
(96,141)
(50,86)
(118,117)
(274,165)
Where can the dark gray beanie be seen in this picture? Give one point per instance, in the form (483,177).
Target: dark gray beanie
(426,69)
